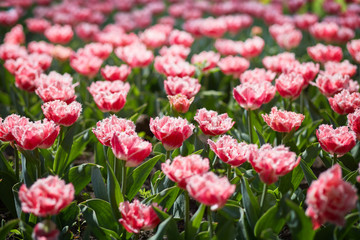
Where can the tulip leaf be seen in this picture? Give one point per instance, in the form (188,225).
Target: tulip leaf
(114,192)
(98,184)
(250,203)
(80,176)
(68,215)
(137,178)
(196,221)
(167,226)
(103,212)
(300,225)
(309,175)
(63,152)
(81,140)
(4,230)
(270,219)
(7,181)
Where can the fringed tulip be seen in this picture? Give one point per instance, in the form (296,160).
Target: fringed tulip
(213,124)
(62,113)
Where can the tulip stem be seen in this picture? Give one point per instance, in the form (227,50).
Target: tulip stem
(250,127)
(123,176)
(302,101)
(187,214)
(168,155)
(334,159)
(210,222)
(229,172)
(263,197)
(17,163)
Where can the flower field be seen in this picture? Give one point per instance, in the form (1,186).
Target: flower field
(179,120)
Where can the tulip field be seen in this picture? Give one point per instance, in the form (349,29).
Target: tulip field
(179,120)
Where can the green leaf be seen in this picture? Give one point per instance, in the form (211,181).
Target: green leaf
(300,225)
(79,145)
(260,137)
(62,156)
(98,184)
(80,176)
(114,192)
(309,175)
(168,226)
(4,231)
(270,219)
(250,203)
(137,178)
(7,181)
(225,230)
(68,215)
(103,213)
(196,221)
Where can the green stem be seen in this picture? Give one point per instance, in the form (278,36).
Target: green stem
(210,222)
(38,165)
(168,155)
(17,163)
(302,102)
(229,172)
(250,127)
(187,214)
(123,182)
(60,137)
(118,169)
(263,197)
(334,160)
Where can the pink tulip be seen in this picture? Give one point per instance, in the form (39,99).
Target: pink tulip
(26,75)
(135,55)
(130,148)
(252,95)
(206,60)
(175,51)
(345,102)
(354,49)
(59,34)
(283,121)
(345,68)
(182,85)
(87,31)
(232,152)
(100,50)
(325,53)
(106,128)
(326,31)
(30,135)
(172,132)
(62,113)
(37,25)
(330,198)
(137,216)
(304,21)
(40,47)
(153,38)
(172,66)
(113,73)
(289,85)
(180,38)
(252,47)
(213,124)
(109,96)
(235,66)
(308,70)
(271,163)
(257,75)
(182,168)
(11,51)
(55,86)
(335,141)
(180,103)
(47,196)
(329,84)
(15,36)
(210,190)
(8,124)
(226,47)
(235,23)
(353,122)
(277,62)
(85,63)
(45,230)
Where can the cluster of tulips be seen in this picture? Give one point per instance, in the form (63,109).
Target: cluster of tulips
(179,119)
